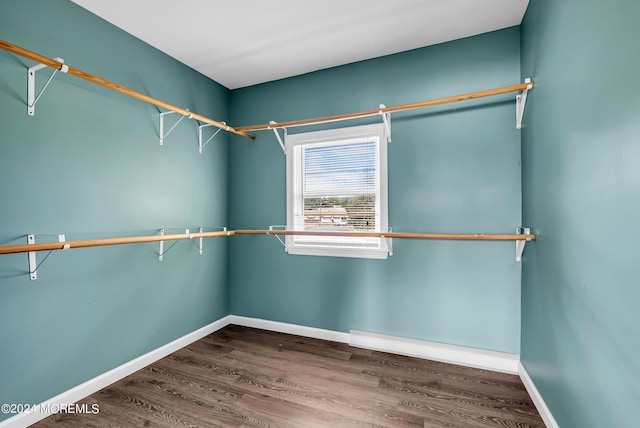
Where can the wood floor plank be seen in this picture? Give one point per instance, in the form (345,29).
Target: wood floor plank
(191,409)
(471,412)
(523,406)
(244,377)
(277,341)
(284,413)
(443,375)
(308,368)
(330,396)
(342,396)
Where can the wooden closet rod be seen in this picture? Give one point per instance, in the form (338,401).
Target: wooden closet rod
(114,86)
(49,246)
(402,107)
(402,235)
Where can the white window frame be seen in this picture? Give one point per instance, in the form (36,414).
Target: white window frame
(376,248)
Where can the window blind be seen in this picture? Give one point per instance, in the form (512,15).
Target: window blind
(339,190)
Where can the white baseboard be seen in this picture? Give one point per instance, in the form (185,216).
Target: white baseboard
(461,355)
(471,357)
(282,327)
(91,386)
(544,411)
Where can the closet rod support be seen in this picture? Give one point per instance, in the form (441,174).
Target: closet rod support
(388,241)
(33,263)
(521,243)
(386,118)
(33,272)
(272,228)
(201,230)
(32,98)
(275,131)
(163,251)
(202,145)
(162,115)
(200,234)
(521,101)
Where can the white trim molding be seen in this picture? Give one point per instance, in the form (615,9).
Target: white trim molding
(454,354)
(282,327)
(470,357)
(91,386)
(536,397)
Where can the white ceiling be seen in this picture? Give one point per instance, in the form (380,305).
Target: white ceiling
(245,42)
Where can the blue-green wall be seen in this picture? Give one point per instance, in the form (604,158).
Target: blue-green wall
(581,188)
(451,169)
(89,165)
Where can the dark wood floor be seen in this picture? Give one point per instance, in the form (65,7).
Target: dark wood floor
(244,377)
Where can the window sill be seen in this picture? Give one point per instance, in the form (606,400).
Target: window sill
(358,253)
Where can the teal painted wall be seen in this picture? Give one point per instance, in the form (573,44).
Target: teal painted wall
(581,182)
(89,165)
(451,169)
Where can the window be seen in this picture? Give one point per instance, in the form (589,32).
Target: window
(337,181)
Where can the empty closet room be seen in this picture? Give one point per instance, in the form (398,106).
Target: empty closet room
(356,213)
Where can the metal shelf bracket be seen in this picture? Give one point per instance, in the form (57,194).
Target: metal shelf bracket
(162,115)
(161,253)
(224,229)
(386,118)
(202,145)
(521,100)
(33,263)
(32,98)
(520,244)
(389,242)
(275,131)
(283,227)
(162,250)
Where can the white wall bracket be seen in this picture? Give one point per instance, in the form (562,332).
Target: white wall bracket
(32,98)
(521,100)
(163,251)
(202,145)
(389,242)
(275,131)
(162,115)
(520,244)
(386,118)
(200,247)
(33,263)
(278,236)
